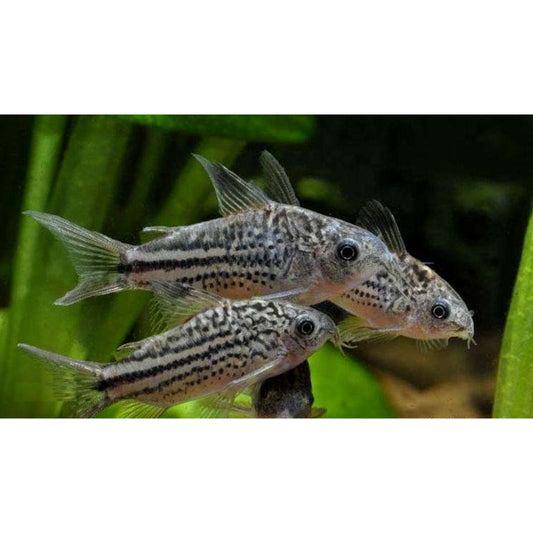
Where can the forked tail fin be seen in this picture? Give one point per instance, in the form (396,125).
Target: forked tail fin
(75,382)
(96,257)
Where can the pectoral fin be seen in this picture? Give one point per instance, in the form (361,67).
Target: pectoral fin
(135,409)
(175,303)
(431,345)
(353,330)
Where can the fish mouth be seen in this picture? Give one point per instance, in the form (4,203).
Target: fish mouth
(335,336)
(466,335)
(336,340)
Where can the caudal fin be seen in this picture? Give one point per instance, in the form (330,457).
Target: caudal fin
(74,382)
(96,257)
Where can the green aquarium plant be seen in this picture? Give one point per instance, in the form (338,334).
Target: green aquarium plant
(514,391)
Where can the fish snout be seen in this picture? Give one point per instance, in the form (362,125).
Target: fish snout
(466,331)
(332,333)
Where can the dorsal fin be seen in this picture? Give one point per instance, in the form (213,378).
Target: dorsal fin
(277,183)
(175,303)
(379,220)
(233,193)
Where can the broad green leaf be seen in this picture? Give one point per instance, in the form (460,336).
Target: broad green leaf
(3,325)
(345,387)
(149,167)
(321,191)
(83,192)
(193,185)
(266,128)
(44,157)
(514,388)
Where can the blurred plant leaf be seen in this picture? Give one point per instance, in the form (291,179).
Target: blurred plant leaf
(149,166)
(193,185)
(3,325)
(343,386)
(266,128)
(83,192)
(514,387)
(318,190)
(45,151)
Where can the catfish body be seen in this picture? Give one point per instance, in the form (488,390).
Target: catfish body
(225,348)
(425,307)
(259,247)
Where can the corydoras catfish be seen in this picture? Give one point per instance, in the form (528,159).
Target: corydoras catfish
(427,308)
(258,247)
(227,346)
(411,300)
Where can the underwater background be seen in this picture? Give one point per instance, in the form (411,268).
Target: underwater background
(459,186)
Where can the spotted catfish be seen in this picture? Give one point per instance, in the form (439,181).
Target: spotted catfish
(227,346)
(410,301)
(427,308)
(258,247)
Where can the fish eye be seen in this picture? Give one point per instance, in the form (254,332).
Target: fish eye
(441,310)
(347,251)
(305,326)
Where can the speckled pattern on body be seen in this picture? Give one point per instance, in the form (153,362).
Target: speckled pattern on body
(222,349)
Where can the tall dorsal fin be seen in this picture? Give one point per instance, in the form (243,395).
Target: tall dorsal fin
(233,193)
(175,303)
(379,220)
(278,185)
